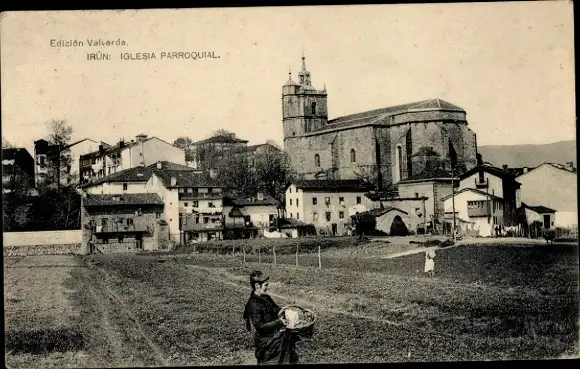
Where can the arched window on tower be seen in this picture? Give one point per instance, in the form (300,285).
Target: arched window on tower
(352,156)
(316,160)
(314,108)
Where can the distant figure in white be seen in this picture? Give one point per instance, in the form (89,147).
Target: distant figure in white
(430,263)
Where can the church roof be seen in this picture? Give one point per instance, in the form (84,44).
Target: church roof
(373,116)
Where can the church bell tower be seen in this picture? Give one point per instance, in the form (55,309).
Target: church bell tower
(304,108)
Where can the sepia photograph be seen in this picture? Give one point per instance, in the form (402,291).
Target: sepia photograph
(277,185)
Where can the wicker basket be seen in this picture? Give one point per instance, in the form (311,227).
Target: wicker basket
(304,331)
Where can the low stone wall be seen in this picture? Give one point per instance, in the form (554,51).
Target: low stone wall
(29,250)
(42,243)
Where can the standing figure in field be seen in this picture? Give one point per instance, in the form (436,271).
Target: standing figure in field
(430,263)
(274,343)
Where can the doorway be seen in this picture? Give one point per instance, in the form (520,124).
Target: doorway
(139,241)
(546,221)
(334,229)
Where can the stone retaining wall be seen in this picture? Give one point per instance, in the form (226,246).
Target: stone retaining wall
(28,250)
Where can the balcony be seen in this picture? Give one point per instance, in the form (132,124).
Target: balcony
(122,228)
(200,195)
(481,183)
(189,226)
(479,209)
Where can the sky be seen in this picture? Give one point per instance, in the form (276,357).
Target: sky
(509,65)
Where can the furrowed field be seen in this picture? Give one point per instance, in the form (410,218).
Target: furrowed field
(487,302)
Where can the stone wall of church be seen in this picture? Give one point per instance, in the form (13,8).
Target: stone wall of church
(334,148)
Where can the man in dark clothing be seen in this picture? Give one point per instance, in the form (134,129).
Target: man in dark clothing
(274,344)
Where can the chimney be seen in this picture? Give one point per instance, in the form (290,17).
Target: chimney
(213,173)
(525,169)
(505,167)
(479,159)
(159,165)
(260,196)
(569,165)
(101,148)
(173,181)
(121,143)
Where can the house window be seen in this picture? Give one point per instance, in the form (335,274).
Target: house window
(195,204)
(327,200)
(328,216)
(129,221)
(297,201)
(314,201)
(124,187)
(315,216)
(211,205)
(181,190)
(416,194)
(341,214)
(341,200)
(190,190)
(317,161)
(290,189)
(104,222)
(291,215)
(121,238)
(185,204)
(358,200)
(205,220)
(352,156)
(297,215)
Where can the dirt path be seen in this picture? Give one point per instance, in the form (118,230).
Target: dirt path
(128,343)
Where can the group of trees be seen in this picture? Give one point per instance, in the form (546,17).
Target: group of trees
(57,205)
(243,173)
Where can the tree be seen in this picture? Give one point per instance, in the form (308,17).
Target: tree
(183,143)
(234,173)
(59,160)
(273,172)
(224,133)
(367,173)
(16,200)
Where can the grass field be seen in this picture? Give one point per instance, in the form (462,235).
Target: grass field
(485,303)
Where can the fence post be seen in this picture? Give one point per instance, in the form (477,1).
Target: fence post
(296,255)
(319,260)
(234,251)
(244,251)
(274,251)
(259,254)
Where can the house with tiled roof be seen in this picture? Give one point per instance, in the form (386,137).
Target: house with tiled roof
(192,200)
(45,154)
(141,151)
(327,204)
(127,222)
(205,153)
(250,216)
(554,186)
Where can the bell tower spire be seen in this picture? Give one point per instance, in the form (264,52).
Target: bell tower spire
(304,74)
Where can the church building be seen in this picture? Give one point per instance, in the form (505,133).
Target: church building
(390,144)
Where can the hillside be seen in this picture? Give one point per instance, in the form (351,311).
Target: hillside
(529,155)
